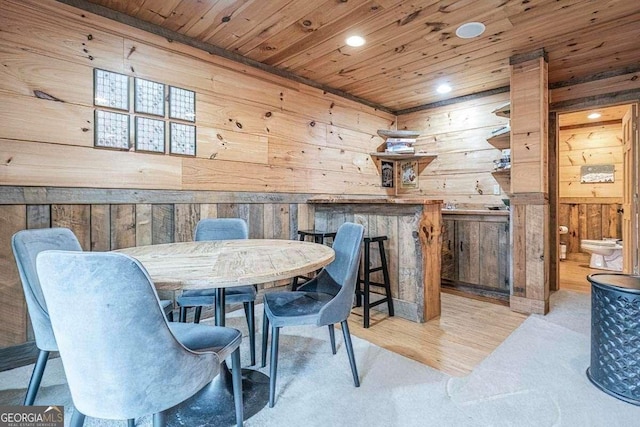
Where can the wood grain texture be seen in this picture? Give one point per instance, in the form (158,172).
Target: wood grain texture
(466,332)
(100,228)
(13,316)
(75,217)
(123,226)
(228,263)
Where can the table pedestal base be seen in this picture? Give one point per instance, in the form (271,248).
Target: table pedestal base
(214,405)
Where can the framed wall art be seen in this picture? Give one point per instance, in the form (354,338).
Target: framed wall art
(182,139)
(409,174)
(150,135)
(110,89)
(111,130)
(182,104)
(597,173)
(148,97)
(387,173)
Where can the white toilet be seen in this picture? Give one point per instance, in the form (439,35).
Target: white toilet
(606,254)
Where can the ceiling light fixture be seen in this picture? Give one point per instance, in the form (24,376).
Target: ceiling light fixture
(470,30)
(593,116)
(443,88)
(355,41)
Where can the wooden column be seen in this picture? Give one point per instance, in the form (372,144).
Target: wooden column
(530,183)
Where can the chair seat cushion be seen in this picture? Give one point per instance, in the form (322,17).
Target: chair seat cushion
(198,337)
(294,308)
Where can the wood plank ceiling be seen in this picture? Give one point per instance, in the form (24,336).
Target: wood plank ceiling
(411,44)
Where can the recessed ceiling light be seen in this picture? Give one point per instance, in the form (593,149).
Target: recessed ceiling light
(355,41)
(444,88)
(470,30)
(593,116)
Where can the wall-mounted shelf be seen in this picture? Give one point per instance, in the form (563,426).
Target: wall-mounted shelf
(415,156)
(421,160)
(503,110)
(503,177)
(501,142)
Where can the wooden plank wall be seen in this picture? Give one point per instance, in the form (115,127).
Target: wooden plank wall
(458,134)
(600,144)
(593,221)
(256,132)
(108,226)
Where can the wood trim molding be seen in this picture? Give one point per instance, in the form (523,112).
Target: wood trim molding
(597,76)
(628,96)
(589,201)
(456,100)
(524,57)
(10,195)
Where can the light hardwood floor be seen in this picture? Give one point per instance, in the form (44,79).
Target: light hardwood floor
(573,275)
(467,331)
(465,334)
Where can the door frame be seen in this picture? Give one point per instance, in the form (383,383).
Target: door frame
(553,140)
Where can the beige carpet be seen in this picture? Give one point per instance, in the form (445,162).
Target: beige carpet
(535,378)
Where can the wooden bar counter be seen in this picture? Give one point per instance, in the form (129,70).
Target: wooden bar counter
(414,246)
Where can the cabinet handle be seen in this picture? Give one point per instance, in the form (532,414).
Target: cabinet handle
(461,250)
(449,244)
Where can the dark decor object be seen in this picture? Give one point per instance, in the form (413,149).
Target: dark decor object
(615,335)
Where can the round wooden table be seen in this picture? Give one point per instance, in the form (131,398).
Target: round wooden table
(223,264)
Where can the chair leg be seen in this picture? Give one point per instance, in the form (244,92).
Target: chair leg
(36,378)
(265,338)
(170,316)
(77,419)
(385,275)
(332,337)
(349,345)
(236,373)
(275,335)
(131,422)
(367,277)
(159,419)
(196,318)
(249,311)
(183,314)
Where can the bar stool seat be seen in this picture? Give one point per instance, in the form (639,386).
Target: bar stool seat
(318,236)
(365,280)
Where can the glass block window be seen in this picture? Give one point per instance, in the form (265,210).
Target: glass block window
(183,139)
(182,104)
(150,135)
(111,130)
(110,90)
(149,97)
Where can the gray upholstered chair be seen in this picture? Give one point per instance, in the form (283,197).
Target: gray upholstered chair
(323,301)
(124,360)
(222,229)
(26,245)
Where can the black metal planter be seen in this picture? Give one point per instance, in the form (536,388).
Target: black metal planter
(615,335)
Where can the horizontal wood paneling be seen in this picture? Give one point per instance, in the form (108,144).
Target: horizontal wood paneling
(458,134)
(597,145)
(255,131)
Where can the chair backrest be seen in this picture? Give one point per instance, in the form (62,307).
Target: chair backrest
(119,356)
(221,229)
(26,245)
(343,270)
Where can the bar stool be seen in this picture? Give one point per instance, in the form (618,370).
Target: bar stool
(366,279)
(318,237)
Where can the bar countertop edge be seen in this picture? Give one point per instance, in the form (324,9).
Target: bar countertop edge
(374,200)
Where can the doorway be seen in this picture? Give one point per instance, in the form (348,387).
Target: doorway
(597,187)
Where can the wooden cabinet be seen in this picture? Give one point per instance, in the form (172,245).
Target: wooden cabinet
(475,252)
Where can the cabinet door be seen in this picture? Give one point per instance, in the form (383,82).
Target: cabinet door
(448,269)
(494,246)
(468,251)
